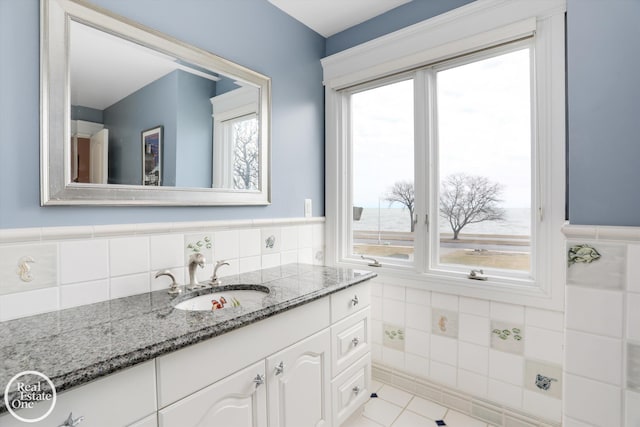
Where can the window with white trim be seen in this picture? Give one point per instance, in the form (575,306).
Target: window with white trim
(447,163)
(479,185)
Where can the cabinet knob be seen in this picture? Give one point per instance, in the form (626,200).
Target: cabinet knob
(72,422)
(355,341)
(356,390)
(258,380)
(280,368)
(355,300)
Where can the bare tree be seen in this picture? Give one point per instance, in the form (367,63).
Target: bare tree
(467,199)
(403,192)
(246,155)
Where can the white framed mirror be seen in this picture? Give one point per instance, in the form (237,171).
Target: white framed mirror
(130,116)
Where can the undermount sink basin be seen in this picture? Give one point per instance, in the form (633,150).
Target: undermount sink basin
(226,297)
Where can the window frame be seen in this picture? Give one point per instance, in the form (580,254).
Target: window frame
(464,31)
(433,191)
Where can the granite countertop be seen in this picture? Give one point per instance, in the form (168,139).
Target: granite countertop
(77,345)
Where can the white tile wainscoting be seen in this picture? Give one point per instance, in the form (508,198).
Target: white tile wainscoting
(47,269)
(468,350)
(580,367)
(602,337)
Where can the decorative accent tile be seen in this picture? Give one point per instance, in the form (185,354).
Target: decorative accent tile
(393,336)
(27,267)
(271,241)
(198,244)
(507,337)
(444,322)
(633,366)
(543,378)
(608,273)
(583,254)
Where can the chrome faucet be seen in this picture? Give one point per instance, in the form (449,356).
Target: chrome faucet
(174,288)
(214,279)
(195,261)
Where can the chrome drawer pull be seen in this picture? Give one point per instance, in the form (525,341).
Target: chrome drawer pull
(355,341)
(355,300)
(280,368)
(72,422)
(258,380)
(356,390)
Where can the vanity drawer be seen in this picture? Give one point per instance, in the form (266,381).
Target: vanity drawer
(350,300)
(351,389)
(350,340)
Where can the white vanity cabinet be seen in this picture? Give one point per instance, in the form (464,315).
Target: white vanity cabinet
(298,383)
(239,400)
(317,361)
(307,366)
(126,398)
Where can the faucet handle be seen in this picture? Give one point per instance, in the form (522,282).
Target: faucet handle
(214,278)
(174,288)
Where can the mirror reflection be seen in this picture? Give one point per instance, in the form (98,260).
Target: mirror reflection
(142,117)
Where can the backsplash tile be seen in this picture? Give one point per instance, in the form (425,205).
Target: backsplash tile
(82,265)
(226,245)
(85,260)
(270,240)
(198,243)
(250,244)
(125,286)
(128,255)
(167,251)
(83,293)
(27,303)
(28,267)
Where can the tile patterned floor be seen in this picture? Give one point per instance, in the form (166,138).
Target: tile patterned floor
(397,408)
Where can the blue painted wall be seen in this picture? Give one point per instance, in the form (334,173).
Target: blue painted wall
(395,19)
(603,103)
(151,106)
(252,33)
(87,114)
(603,39)
(195,131)
(179,102)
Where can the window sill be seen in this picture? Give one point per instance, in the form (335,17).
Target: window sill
(521,292)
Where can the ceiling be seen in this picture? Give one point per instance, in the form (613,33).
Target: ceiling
(328,17)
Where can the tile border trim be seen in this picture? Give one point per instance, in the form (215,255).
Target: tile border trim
(601,232)
(455,399)
(40,234)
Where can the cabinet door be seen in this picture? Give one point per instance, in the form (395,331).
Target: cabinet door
(236,401)
(298,381)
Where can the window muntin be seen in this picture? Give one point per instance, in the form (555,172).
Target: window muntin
(483,183)
(382,133)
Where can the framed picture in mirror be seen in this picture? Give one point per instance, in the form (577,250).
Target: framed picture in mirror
(151,156)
